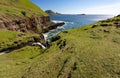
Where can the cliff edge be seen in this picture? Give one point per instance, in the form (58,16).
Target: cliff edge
(22,15)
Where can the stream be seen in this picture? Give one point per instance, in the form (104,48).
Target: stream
(23,45)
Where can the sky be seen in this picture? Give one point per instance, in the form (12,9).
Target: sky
(80,6)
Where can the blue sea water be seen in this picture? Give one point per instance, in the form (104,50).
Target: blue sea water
(73,21)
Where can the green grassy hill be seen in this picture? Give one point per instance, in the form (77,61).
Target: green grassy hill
(91,51)
(17,7)
(12,15)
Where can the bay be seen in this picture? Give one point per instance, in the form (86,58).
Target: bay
(73,21)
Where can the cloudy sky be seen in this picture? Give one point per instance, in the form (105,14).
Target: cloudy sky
(80,6)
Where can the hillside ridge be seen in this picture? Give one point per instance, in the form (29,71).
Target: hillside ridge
(88,51)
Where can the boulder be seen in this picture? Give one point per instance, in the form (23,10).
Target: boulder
(55,38)
(55,25)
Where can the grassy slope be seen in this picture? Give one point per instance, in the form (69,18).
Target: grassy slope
(89,53)
(13,64)
(18,6)
(83,52)
(9,39)
(11,10)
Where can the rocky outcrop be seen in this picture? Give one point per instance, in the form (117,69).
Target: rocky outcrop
(32,24)
(40,39)
(53,26)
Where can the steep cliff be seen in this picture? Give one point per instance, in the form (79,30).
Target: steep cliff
(22,15)
(25,20)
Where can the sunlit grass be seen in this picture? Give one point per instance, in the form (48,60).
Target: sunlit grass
(88,52)
(18,6)
(11,39)
(84,52)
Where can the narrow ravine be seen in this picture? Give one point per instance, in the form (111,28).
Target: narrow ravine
(23,45)
(14,48)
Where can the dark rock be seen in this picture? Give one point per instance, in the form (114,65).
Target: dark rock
(40,39)
(21,34)
(106,31)
(55,38)
(117,24)
(52,26)
(65,31)
(108,20)
(95,25)
(55,25)
(36,39)
(23,30)
(103,24)
(62,44)
(75,66)
(15,42)
(85,29)
(24,24)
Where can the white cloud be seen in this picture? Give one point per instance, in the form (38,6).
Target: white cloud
(105,9)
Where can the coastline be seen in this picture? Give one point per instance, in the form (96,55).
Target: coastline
(45,44)
(35,43)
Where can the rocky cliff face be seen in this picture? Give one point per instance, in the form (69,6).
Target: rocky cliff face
(33,24)
(24,16)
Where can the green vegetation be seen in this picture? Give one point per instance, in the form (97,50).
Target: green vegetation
(19,6)
(6,34)
(11,39)
(17,60)
(86,52)
(13,64)
(23,12)
(81,53)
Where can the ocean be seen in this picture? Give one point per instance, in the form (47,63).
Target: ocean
(73,21)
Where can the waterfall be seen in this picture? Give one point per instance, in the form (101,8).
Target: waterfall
(34,44)
(38,43)
(45,36)
(47,39)
(3,52)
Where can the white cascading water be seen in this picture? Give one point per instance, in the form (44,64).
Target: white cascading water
(38,43)
(45,36)
(1,53)
(35,43)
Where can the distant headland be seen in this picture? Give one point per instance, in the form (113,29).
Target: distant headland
(50,12)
